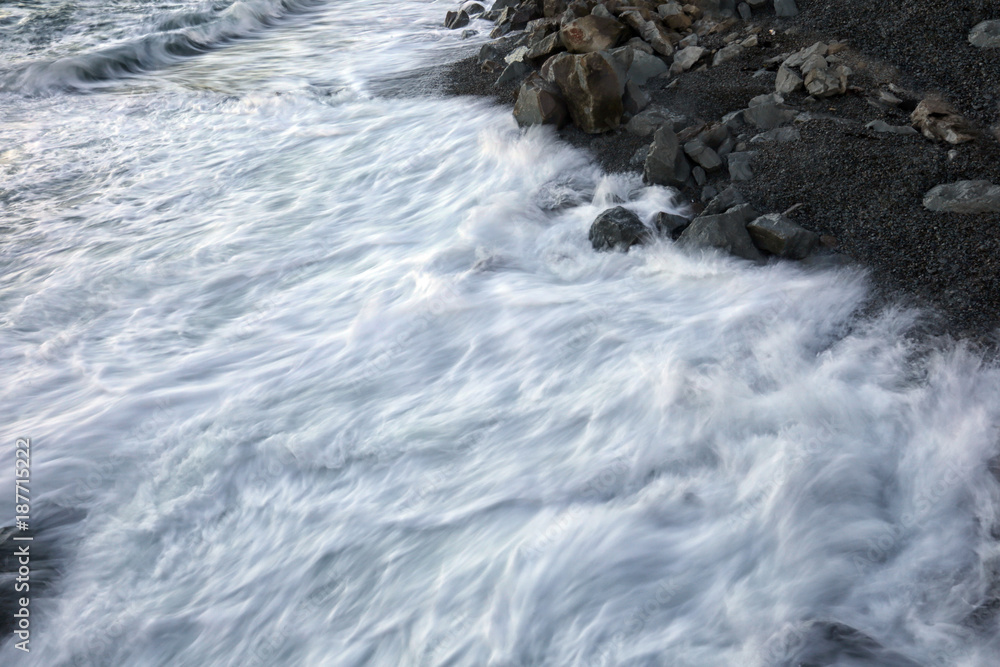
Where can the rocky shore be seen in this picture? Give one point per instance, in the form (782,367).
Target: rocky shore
(791,127)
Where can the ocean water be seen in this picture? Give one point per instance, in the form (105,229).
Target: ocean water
(319,368)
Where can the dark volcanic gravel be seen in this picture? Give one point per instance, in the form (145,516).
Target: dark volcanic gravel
(863,188)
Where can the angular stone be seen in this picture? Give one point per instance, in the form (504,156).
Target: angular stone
(882,126)
(815,61)
(744,10)
(724,231)
(768,116)
(639,44)
(779,135)
(726,54)
(647,122)
(657,37)
(780,236)
(787,81)
(666,164)
(645,67)
(539,103)
(454,20)
(591,33)
(518,54)
(592,90)
(826,81)
(602,11)
(739,165)
(617,229)
(986,35)
(939,121)
(551,8)
(964,197)
(714,135)
(673,15)
(670,224)
(799,57)
(703,155)
(785,8)
(545,47)
(635,98)
(513,73)
(473,8)
(686,58)
(724,201)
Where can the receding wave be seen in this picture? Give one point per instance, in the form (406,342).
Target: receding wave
(176,38)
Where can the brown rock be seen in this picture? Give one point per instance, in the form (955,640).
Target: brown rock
(540,103)
(939,121)
(591,33)
(592,90)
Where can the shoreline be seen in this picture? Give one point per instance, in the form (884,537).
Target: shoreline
(860,189)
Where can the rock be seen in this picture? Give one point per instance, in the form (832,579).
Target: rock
(513,73)
(781,134)
(658,38)
(670,224)
(635,98)
(666,164)
(639,157)
(815,61)
(939,121)
(592,90)
(724,231)
(827,81)
(750,42)
(739,165)
(617,229)
(545,47)
(768,116)
(785,8)
(473,8)
(539,103)
(552,8)
(703,155)
(621,60)
(780,236)
(602,11)
(490,52)
(591,33)
(686,58)
(454,20)
(986,35)
(690,40)
(882,126)
(744,11)
(674,16)
(518,54)
(964,197)
(787,81)
(724,201)
(645,67)
(726,54)
(799,57)
(638,44)
(699,176)
(647,122)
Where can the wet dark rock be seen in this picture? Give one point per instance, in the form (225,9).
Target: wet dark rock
(702,155)
(645,66)
(724,201)
(539,103)
(454,20)
(513,73)
(964,197)
(635,98)
(666,164)
(670,224)
(832,643)
(617,229)
(780,236)
(739,165)
(592,89)
(986,35)
(724,231)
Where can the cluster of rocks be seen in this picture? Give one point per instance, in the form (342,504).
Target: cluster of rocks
(728,223)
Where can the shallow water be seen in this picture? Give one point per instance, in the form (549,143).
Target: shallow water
(318,375)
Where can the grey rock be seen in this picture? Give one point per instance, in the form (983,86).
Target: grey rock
(739,165)
(454,20)
(726,54)
(800,56)
(785,8)
(827,81)
(726,147)
(617,229)
(708,192)
(645,66)
(473,8)
(670,224)
(787,81)
(814,61)
(686,58)
(882,126)
(539,103)
(658,37)
(591,33)
(690,40)
(638,44)
(964,197)
(724,231)
(648,121)
(986,35)
(621,61)
(768,116)
(490,52)
(744,10)
(724,201)
(513,73)
(780,236)
(703,155)
(666,164)
(602,11)
(545,47)
(639,157)
(779,135)
(635,98)
(520,53)
(714,135)
(699,176)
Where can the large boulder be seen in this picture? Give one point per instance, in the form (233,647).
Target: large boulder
(986,35)
(647,122)
(458,19)
(617,228)
(724,231)
(780,236)
(939,121)
(964,197)
(645,66)
(544,47)
(539,103)
(666,164)
(591,33)
(592,89)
